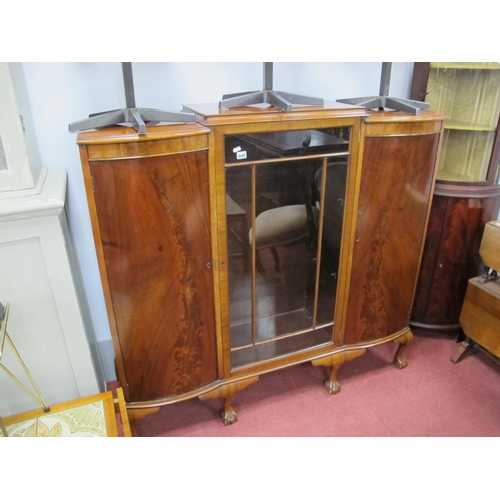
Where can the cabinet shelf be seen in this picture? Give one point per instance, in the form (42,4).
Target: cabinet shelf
(466,65)
(285,347)
(467,126)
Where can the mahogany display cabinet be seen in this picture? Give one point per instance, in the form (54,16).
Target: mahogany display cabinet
(256,239)
(467,194)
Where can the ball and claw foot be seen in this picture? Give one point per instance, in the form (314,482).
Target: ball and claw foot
(227,414)
(332,387)
(400,362)
(402,342)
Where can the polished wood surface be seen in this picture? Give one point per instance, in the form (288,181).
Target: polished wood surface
(458,215)
(159,213)
(396,188)
(451,257)
(490,245)
(152,228)
(210,115)
(480,316)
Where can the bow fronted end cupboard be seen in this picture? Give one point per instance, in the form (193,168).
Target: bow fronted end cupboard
(257,239)
(149,203)
(397,182)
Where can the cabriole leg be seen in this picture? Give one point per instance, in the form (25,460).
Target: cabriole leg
(335,361)
(399,361)
(226,392)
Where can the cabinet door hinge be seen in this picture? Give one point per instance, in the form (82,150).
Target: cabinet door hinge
(93,186)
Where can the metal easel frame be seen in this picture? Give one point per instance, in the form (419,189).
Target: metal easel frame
(4,317)
(279,99)
(136,117)
(383,100)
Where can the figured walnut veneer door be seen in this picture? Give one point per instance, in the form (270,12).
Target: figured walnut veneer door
(395,194)
(154,223)
(451,257)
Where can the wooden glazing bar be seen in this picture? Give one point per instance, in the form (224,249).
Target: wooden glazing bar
(320,241)
(254,257)
(287,158)
(280,337)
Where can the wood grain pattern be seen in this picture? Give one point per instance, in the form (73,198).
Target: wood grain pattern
(480,316)
(396,186)
(490,245)
(450,258)
(154,224)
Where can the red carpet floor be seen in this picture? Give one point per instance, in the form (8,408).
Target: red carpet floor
(431,397)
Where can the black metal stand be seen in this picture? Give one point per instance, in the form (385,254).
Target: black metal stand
(281,100)
(132,116)
(383,100)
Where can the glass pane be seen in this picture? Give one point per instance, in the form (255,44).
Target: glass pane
(469,93)
(288,189)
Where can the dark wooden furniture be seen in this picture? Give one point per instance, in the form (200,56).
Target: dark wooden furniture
(397,181)
(480,313)
(188,317)
(149,202)
(467,194)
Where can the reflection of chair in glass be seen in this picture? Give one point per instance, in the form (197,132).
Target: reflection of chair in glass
(284,226)
(288,224)
(4,317)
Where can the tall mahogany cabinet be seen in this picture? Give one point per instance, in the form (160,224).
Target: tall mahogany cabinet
(467,194)
(257,239)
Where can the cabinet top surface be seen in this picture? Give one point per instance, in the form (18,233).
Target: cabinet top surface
(209,114)
(397,116)
(117,134)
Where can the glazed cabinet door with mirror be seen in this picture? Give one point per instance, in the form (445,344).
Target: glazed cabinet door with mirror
(284,194)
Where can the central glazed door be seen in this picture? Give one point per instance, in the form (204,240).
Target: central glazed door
(154,222)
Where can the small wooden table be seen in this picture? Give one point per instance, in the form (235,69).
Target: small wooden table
(480,317)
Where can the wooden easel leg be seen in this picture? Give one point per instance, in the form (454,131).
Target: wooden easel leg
(399,361)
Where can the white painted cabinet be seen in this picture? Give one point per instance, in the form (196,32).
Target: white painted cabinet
(49,321)
(20,164)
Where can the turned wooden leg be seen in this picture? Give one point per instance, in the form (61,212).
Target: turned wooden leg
(403,341)
(226,392)
(464,346)
(335,361)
